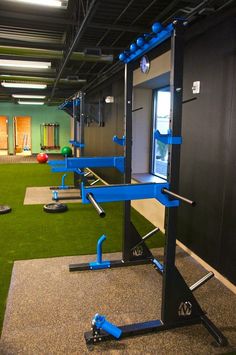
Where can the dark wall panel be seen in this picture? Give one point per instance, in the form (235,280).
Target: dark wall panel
(98,140)
(228,234)
(207,153)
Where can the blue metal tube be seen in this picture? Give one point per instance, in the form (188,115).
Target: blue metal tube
(99,248)
(111,329)
(63,180)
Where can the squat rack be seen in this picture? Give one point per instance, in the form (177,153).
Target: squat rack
(74,106)
(179,306)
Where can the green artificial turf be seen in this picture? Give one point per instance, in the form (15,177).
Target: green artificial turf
(28,232)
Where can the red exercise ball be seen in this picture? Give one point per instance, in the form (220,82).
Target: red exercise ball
(42,158)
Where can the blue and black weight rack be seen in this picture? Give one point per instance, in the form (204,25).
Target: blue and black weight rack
(74,106)
(179,306)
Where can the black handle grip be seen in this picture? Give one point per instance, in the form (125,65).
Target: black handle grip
(184,199)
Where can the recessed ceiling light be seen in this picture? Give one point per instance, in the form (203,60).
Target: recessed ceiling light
(54,3)
(23,85)
(30,102)
(24,64)
(19,96)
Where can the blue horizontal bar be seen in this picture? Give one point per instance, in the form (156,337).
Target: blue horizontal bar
(68,104)
(77,144)
(89,162)
(128,192)
(97,162)
(62,169)
(96,266)
(167,138)
(155,41)
(56,162)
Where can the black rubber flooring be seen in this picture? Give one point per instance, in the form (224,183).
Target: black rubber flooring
(49,308)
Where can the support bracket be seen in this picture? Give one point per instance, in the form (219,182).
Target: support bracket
(167,138)
(77,144)
(74,164)
(128,192)
(120,141)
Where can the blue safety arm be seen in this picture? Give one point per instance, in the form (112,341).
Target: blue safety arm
(70,164)
(146,43)
(77,144)
(128,192)
(96,162)
(167,138)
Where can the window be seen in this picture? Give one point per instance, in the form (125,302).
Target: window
(161,117)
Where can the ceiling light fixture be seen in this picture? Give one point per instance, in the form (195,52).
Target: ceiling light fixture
(24,64)
(19,96)
(30,102)
(54,3)
(23,85)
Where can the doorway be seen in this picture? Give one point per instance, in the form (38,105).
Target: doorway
(22,135)
(161,121)
(3,135)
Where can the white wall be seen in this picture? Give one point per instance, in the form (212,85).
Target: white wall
(151,209)
(141,130)
(158,66)
(142,122)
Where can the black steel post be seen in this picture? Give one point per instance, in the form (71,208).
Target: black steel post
(75,123)
(81,128)
(128,156)
(76,116)
(176,90)
(81,121)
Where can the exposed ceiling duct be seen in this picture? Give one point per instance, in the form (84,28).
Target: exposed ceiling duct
(83,39)
(37,79)
(10,51)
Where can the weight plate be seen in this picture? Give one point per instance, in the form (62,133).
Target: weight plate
(4,209)
(55,208)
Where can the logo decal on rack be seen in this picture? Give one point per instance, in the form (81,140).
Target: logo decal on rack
(185,309)
(138,251)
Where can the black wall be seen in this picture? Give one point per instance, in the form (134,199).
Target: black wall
(208,156)
(99,139)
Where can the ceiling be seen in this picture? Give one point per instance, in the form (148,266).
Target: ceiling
(82,39)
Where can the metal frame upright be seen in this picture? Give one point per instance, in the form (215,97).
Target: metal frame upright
(78,122)
(179,306)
